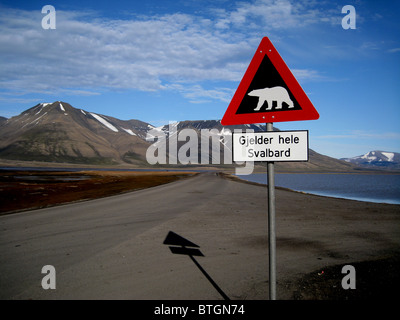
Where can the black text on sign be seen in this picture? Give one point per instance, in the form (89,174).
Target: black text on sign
(271,146)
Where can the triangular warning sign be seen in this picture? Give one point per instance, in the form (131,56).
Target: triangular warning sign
(268,92)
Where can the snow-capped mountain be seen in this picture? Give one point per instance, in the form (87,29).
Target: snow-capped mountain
(205,130)
(58,132)
(377,158)
(213,126)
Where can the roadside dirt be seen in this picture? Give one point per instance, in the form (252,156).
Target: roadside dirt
(375,280)
(25,190)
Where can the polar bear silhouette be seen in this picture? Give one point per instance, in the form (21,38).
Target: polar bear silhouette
(278,94)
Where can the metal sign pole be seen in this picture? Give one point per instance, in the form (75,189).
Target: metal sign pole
(271,225)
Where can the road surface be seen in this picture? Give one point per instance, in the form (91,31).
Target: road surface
(112,248)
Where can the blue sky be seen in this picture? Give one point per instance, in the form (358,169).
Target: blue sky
(172,60)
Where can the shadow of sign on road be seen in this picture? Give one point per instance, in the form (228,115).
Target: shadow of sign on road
(180,245)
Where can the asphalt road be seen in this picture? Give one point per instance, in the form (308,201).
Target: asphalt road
(70,236)
(112,248)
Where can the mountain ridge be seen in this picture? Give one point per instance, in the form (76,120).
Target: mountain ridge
(376,159)
(59,133)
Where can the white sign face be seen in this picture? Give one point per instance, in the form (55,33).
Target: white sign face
(271,146)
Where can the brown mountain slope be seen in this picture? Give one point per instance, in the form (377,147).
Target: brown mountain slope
(58,132)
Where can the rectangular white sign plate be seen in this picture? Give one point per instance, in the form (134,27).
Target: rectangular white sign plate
(271,146)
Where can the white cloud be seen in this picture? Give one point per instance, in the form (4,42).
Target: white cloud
(306,74)
(359,134)
(355,142)
(136,54)
(394,50)
(198,94)
(278,14)
(86,53)
(273,14)
(20,100)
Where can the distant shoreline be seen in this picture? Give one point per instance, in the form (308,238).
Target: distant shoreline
(20,202)
(319,187)
(21,165)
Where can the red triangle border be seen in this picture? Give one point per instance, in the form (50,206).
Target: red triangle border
(307,112)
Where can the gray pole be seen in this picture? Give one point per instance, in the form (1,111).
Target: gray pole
(271,225)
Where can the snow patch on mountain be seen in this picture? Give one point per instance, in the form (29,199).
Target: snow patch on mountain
(389,156)
(35,120)
(129,131)
(104,122)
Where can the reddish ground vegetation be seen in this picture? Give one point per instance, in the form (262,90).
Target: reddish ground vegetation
(22,190)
